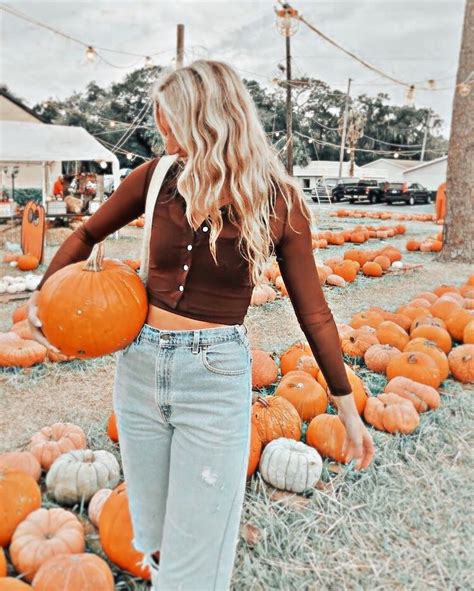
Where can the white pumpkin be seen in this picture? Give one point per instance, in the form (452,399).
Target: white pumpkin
(80,473)
(32,282)
(11,288)
(397,265)
(3,286)
(290,465)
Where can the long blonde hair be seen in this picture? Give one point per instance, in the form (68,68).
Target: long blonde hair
(214,119)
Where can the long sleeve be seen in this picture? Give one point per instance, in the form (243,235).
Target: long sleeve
(125,204)
(298,269)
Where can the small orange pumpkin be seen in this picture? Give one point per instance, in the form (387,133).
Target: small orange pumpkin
(264,369)
(417,366)
(274,416)
(305,394)
(327,434)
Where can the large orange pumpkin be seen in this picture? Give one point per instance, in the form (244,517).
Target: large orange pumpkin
(431,349)
(24,461)
(255,449)
(275,417)
(43,534)
(116,534)
(438,335)
(305,394)
(53,440)
(461,363)
(19,496)
(68,572)
(264,369)
(92,309)
(417,366)
(391,413)
(389,333)
(422,396)
(326,434)
(112,431)
(289,359)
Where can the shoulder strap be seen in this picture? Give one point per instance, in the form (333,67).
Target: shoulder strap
(154,187)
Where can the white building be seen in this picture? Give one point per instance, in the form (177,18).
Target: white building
(316,170)
(390,169)
(430,174)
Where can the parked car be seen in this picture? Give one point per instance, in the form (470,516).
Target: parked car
(371,190)
(410,194)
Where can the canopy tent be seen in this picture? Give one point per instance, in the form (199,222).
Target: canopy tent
(23,142)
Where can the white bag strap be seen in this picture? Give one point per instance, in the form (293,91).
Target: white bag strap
(154,187)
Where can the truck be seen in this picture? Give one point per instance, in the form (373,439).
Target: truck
(371,190)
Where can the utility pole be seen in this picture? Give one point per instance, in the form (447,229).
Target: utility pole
(425,137)
(344,129)
(179,46)
(289,111)
(287,23)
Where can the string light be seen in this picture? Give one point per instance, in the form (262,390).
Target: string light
(396,154)
(410,95)
(129,156)
(103,164)
(91,54)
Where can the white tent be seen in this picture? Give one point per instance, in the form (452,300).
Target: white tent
(23,142)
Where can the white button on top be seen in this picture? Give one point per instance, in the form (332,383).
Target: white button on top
(205,229)
(185,267)
(181,288)
(190,246)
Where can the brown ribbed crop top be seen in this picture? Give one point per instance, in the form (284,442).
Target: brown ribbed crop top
(182,275)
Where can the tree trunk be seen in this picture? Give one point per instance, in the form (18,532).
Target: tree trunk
(458,229)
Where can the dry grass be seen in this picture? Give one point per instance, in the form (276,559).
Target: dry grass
(404,523)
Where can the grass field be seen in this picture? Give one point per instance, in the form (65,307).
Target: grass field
(404,523)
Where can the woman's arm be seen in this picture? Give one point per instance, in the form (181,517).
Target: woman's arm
(125,204)
(298,270)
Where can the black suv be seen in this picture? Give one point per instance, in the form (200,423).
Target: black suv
(370,190)
(406,193)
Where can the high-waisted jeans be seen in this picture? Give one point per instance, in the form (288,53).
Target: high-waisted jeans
(182,401)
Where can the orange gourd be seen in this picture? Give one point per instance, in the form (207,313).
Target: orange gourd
(305,394)
(417,366)
(74,303)
(389,333)
(43,534)
(422,396)
(438,335)
(461,363)
(264,369)
(391,413)
(274,416)
(53,440)
(431,349)
(71,572)
(24,461)
(112,431)
(327,434)
(19,496)
(255,450)
(116,534)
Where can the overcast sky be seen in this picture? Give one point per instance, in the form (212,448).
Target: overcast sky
(413,40)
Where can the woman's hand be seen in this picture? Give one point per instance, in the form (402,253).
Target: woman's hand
(35,322)
(358,443)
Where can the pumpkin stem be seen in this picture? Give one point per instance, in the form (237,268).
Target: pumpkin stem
(262,400)
(96,258)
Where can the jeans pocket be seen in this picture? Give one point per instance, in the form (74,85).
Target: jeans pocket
(229,358)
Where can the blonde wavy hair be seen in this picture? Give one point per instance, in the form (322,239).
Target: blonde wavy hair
(214,119)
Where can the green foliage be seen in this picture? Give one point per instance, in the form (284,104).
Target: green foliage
(316,113)
(22,196)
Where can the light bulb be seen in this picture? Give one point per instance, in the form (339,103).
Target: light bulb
(91,54)
(129,156)
(112,124)
(396,155)
(103,164)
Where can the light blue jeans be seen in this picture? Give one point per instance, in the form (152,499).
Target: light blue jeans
(182,401)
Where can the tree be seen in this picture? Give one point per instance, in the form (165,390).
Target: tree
(458,229)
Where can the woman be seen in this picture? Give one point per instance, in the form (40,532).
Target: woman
(182,391)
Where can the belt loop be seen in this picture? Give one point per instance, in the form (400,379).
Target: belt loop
(195,342)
